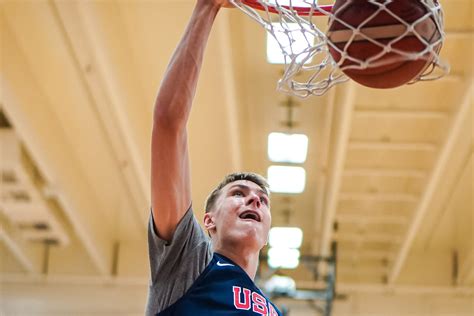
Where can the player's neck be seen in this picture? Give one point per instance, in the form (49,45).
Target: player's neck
(248,261)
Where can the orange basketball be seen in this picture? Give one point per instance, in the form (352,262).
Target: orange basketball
(364,56)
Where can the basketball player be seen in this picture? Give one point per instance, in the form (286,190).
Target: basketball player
(190,274)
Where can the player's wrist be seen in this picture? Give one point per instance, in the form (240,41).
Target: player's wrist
(216,4)
(208,6)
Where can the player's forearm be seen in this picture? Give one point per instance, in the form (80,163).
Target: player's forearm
(178,88)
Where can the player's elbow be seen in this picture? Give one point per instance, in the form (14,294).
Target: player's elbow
(168,118)
(172,108)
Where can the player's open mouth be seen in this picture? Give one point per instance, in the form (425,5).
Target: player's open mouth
(250,215)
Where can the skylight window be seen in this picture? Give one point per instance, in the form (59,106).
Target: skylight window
(285,258)
(289,237)
(284,179)
(289,148)
(293,42)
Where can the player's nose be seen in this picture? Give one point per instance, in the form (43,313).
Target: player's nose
(253,199)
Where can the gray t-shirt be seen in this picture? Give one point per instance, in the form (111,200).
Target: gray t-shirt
(175,265)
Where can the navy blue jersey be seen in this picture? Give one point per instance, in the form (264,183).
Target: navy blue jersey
(223,288)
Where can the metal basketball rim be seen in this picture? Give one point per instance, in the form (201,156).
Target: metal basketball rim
(285,19)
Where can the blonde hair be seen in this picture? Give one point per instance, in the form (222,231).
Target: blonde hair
(250,176)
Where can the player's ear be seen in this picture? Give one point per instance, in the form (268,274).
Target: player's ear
(209,221)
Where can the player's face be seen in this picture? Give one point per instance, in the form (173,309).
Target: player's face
(241,215)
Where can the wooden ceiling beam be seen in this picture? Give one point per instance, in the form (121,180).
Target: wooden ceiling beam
(322,175)
(364,219)
(231,97)
(367,237)
(24,252)
(362,253)
(380,197)
(462,113)
(399,173)
(466,270)
(404,114)
(362,270)
(35,122)
(341,137)
(403,146)
(108,97)
(403,289)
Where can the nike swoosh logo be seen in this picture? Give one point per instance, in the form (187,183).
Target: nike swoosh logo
(224,264)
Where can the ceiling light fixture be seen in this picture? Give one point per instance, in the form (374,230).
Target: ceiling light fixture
(286,179)
(289,148)
(289,237)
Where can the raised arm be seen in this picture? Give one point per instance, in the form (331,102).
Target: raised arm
(170,179)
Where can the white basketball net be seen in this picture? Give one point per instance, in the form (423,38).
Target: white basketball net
(311,70)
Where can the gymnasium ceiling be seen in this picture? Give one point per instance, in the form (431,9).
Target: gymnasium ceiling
(393,168)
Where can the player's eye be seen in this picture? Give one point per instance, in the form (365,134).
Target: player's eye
(238,193)
(264,200)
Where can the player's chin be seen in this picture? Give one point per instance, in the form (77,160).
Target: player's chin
(251,226)
(256,237)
